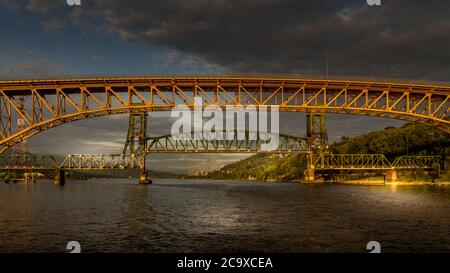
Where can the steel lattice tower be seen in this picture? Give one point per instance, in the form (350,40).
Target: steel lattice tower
(317,137)
(136,144)
(316,131)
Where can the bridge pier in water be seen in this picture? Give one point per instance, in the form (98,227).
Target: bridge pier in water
(144,177)
(391,176)
(136,144)
(309,175)
(59,178)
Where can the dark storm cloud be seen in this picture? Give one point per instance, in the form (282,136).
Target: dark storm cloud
(402,38)
(45,6)
(399,39)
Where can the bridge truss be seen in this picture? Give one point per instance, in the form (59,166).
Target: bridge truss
(199,143)
(100,162)
(329,161)
(417,162)
(50,103)
(119,161)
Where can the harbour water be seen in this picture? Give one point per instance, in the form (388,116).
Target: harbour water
(171,215)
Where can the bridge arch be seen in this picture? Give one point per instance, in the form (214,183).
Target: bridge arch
(50,103)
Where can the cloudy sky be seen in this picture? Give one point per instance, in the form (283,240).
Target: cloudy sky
(407,39)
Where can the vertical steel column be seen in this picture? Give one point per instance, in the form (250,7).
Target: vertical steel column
(316,130)
(317,137)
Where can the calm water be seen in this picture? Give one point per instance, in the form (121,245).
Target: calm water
(219,216)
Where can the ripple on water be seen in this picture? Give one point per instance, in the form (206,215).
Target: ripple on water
(220,216)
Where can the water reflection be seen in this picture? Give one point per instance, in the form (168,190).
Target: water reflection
(219,216)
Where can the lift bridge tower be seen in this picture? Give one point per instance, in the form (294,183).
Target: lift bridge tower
(136,144)
(317,137)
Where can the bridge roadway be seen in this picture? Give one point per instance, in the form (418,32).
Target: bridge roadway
(328,161)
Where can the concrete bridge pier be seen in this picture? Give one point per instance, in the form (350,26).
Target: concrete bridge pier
(7,178)
(309,175)
(391,176)
(59,178)
(144,177)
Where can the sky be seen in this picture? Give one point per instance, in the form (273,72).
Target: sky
(401,39)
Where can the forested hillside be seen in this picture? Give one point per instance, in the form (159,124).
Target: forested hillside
(410,139)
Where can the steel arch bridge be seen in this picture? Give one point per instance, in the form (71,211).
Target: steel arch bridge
(50,103)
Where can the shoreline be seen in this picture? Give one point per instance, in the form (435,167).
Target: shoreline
(377,182)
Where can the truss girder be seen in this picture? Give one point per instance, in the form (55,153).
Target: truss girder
(372,162)
(417,162)
(196,143)
(120,162)
(50,103)
(100,162)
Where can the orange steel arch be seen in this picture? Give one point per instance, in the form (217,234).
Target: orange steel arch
(50,103)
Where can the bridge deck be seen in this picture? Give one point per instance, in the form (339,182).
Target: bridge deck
(351,162)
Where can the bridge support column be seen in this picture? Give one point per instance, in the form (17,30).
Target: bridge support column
(144,174)
(316,130)
(144,177)
(136,143)
(309,175)
(391,176)
(59,178)
(317,136)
